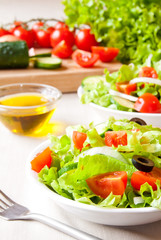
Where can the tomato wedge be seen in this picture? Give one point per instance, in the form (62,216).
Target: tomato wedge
(106,54)
(126,88)
(84,58)
(103,184)
(41,160)
(78,139)
(147,103)
(138,178)
(62,50)
(148,72)
(116,138)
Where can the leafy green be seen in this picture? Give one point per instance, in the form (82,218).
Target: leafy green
(68,178)
(132,26)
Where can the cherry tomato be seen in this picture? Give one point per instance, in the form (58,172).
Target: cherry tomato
(84,58)
(50,29)
(116,138)
(3,32)
(43,38)
(148,72)
(106,54)
(147,103)
(62,50)
(103,184)
(126,88)
(59,25)
(37,25)
(84,39)
(15,25)
(138,178)
(62,34)
(41,160)
(79,139)
(26,35)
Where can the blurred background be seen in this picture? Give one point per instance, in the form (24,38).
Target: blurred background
(26,9)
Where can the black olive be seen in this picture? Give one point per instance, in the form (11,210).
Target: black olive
(138,121)
(142,163)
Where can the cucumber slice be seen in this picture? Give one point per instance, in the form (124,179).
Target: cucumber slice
(92,80)
(41,55)
(47,62)
(123,103)
(67,168)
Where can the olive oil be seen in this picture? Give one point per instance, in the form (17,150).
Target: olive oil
(26,113)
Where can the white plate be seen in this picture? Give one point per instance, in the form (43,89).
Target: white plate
(101,114)
(112,216)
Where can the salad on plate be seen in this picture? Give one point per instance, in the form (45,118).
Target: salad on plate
(130,89)
(115,164)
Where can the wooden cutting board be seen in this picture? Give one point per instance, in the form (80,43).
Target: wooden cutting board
(67,78)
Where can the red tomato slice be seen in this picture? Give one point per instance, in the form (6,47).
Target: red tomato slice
(126,88)
(138,178)
(84,58)
(106,54)
(148,72)
(116,138)
(103,184)
(84,39)
(78,139)
(62,50)
(41,160)
(147,103)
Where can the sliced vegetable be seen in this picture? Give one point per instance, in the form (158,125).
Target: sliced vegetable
(146,80)
(138,178)
(67,168)
(115,138)
(41,160)
(13,55)
(47,62)
(62,50)
(142,163)
(122,95)
(126,88)
(147,103)
(148,72)
(106,183)
(84,58)
(84,39)
(138,120)
(106,54)
(79,139)
(125,104)
(92,80)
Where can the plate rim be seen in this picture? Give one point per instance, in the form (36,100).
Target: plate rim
(80,92)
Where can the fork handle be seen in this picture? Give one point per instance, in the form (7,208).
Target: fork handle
(73,232)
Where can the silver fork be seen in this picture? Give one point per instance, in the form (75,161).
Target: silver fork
(10,210)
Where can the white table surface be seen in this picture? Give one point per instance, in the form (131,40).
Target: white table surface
(14,151)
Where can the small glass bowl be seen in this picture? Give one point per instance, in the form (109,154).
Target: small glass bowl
(25,108)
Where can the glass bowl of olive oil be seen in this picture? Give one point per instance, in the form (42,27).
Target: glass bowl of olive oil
(25,108)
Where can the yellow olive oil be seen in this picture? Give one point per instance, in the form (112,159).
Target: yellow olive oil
(26,113)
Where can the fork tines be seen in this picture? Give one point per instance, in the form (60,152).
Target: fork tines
(5,201)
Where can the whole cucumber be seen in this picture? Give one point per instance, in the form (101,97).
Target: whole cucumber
(14,55)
